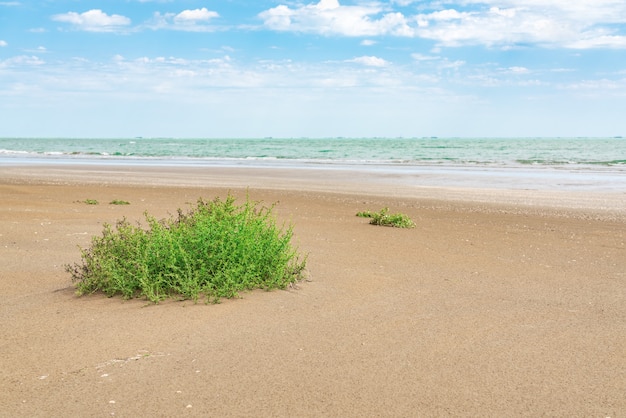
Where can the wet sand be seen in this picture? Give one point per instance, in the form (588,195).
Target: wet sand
(497,303)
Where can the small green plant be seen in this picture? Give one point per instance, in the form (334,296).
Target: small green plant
(383,218)
(215,249)
(119,202)
(91,201)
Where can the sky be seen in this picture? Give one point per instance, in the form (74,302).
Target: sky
(235,68)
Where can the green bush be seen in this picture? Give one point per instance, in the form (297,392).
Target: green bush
(383,218)
(215,249)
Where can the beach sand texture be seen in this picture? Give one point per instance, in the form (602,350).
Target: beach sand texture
(496,304)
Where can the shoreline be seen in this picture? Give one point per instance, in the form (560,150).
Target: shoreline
(488,307)
(438,187)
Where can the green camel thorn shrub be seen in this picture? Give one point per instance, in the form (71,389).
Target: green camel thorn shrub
(215,249)
(384,218)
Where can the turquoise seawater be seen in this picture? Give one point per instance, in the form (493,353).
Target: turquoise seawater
(573,153)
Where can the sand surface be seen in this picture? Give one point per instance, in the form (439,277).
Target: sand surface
(497,304)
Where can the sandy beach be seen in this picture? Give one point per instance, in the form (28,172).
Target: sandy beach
(499,303)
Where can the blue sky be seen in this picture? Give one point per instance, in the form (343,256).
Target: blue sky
(234,68)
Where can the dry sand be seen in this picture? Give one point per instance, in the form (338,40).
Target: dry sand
(497,304)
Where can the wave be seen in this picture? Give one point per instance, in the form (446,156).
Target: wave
(544,162)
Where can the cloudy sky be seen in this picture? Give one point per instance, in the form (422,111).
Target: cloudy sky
(236,68)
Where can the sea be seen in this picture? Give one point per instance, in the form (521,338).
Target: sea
(587,163)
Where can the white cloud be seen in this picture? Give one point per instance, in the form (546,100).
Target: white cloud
(451,64)
(422,57)
(601,89)
(328,17)
(518,70)
(94,20)
(600,41)
(580,24)
(230,91)
(22,61)
(188,20)
(592,11)
(123,77)
(595,85)
(194,16)
(368,42)
(448,14)
(328,4)
(495,27)
(437,63)
(370,61)
(403,2)
(3,43)
(38,50)
(549,23)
